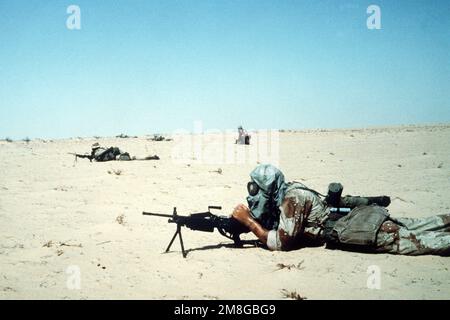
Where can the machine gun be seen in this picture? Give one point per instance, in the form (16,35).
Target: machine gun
(228,227)
(77,155)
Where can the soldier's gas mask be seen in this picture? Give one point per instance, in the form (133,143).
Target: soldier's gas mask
(265,193)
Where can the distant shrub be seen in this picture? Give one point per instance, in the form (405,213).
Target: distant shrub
(117,172)
(8,139)
(27,140)
(292,295)
(157,137)
(121,219)
(125,136)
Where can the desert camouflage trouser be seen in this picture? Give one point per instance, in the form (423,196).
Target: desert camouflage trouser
(408,236)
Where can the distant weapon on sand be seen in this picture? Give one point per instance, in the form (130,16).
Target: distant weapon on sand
(77,155)
(204,221)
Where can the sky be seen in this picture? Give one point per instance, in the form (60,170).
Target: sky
(142,67)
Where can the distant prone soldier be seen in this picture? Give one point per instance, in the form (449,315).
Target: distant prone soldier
(102,154)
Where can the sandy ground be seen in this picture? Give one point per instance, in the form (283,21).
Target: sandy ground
(58,217)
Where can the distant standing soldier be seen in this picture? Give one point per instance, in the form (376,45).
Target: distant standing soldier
(244,136)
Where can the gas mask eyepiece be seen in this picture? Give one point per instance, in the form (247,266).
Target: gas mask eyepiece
(252,188)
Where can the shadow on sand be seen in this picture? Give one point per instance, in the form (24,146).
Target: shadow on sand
(245,244)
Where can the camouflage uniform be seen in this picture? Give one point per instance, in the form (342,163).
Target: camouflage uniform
(430,235)
(303,214)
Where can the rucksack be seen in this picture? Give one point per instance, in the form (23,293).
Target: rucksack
(108,155)
(358,228)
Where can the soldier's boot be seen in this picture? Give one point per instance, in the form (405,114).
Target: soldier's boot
(355,201)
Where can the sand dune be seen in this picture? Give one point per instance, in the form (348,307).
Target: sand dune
(58,216)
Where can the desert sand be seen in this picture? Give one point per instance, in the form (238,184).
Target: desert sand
(57,216)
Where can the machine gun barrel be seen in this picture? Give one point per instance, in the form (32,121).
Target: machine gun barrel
(83,156)
(159,214)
